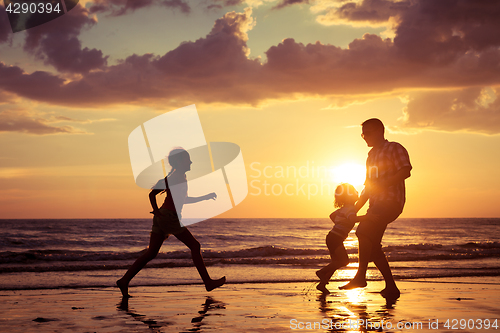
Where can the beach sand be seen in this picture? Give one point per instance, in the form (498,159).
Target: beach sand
(256,307)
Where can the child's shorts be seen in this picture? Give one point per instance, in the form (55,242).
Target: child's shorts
(167,224)
(333,241)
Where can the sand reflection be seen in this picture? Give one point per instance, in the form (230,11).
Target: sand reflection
(356,311)
(157,324)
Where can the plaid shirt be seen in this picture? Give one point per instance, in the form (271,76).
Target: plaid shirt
(383,162)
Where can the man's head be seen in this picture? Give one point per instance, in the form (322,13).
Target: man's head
(373,132)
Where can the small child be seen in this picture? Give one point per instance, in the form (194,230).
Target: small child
(345,198)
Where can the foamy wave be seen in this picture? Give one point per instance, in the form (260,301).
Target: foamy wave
(59,260)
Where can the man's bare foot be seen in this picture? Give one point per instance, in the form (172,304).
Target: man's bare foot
(215,283)
(392,293)
(322,287)
(353,285)
(123,288)
(320,275)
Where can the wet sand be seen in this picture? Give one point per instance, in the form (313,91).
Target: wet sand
(424,305)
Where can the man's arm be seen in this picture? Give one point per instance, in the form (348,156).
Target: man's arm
(363,198)
(378,185)
(361,218)
(399,176)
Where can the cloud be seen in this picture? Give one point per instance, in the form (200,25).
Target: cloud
(472,109)
(40,86)
(5,29)
(57,43)
(181,5)
(427,30)
(6,97)
(366,12)
(217,67)
(443,31)
(59,119)
(219,4)
(187,73)
(25,122)
(286,3)
(123,7)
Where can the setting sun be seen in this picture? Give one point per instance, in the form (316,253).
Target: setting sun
(351,173)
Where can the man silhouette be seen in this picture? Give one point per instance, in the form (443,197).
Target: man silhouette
(387,167)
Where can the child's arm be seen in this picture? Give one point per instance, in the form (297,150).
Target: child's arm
(209,196)
(152,200)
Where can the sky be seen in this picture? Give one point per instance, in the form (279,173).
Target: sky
(289,81)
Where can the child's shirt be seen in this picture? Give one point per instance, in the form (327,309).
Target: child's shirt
(342,224)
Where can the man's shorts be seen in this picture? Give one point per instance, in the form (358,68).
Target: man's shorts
(378,217)
(167,224)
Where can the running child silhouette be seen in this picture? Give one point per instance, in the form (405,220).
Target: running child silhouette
(166,221)
(345,198)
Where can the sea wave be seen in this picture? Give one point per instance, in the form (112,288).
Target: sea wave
(58,260)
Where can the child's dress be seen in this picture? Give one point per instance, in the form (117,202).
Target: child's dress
(342,224)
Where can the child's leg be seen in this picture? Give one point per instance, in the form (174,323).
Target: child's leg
(188,239)
(155,242)
(338,257)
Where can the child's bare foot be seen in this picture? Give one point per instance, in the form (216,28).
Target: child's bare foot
(215,283)
(353,285)
(123,288)
(322,287)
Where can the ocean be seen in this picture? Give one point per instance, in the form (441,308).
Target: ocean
(81,253)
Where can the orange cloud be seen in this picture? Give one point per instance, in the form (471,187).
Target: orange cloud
(472,109)
(25,122)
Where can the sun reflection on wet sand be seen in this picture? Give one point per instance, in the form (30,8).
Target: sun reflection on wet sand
(355,296)
(356,310)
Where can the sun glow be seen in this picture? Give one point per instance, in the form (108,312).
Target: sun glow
(351,173)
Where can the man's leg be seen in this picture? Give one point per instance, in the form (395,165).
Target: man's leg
(380,260)
(369,232)
(364,254)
